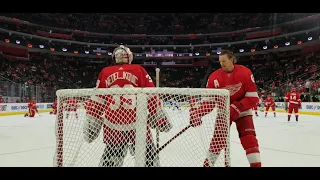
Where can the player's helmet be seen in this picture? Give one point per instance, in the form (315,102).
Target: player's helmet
(293,89)
(122,55)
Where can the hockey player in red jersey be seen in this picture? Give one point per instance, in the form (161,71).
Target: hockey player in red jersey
(117,113)
(294,103)
(54,108)
(269,102)
(255,108)
(1,99)
(243,97)
(32,108)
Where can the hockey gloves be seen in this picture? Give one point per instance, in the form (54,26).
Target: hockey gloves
(195,116)
(235,110)
(163,125)
(160,122)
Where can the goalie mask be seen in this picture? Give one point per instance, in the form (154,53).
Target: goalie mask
(122,55)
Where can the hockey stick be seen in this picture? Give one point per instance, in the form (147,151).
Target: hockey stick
(173,138)
(181,132)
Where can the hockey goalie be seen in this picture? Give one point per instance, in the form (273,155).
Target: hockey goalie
(116,114)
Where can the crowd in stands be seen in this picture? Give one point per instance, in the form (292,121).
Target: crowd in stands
(157,23)
(197,23)
(273,75)
(76,74)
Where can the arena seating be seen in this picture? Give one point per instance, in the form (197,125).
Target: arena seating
(289,69)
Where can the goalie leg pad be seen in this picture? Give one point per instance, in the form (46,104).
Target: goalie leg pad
(248,140)
(132,149)
(113,155)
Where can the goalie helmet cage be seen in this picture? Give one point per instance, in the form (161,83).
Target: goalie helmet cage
(182,146)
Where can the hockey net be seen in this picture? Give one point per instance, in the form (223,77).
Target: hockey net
(81,141)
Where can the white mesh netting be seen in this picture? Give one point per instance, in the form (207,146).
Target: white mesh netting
(127,127)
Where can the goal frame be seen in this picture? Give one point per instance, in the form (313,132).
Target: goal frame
(142,114)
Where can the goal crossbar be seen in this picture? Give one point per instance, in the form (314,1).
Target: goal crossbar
(159,90)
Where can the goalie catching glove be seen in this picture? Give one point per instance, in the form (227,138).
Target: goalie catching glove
(159,120)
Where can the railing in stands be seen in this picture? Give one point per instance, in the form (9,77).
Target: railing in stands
(13,92)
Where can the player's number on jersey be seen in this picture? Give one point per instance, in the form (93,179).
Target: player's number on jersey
(117,101)
(293,97)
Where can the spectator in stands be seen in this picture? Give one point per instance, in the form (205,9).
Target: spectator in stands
(307,85)
(315,99)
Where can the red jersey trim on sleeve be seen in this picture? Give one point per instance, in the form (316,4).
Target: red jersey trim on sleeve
(252,94)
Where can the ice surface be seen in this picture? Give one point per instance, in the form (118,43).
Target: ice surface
(30,142)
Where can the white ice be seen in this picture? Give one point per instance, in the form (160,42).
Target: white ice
(27,142)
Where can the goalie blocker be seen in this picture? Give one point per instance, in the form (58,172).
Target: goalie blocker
(117,113)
